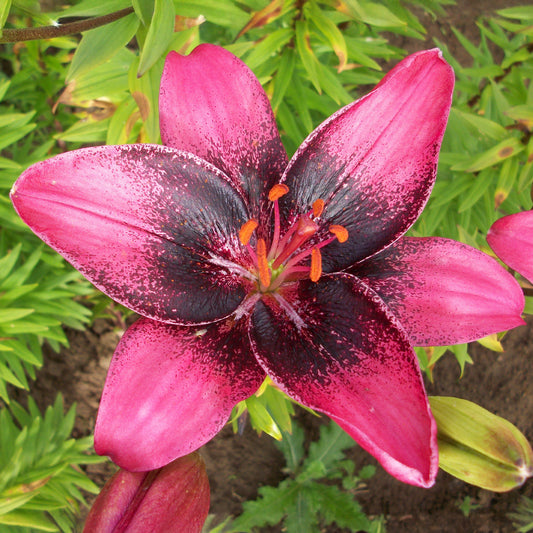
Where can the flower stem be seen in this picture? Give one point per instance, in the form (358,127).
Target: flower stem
(49,32)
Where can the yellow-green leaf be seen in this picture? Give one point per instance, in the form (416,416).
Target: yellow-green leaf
(159,35)
(507,148)
(305,51)
(100,44)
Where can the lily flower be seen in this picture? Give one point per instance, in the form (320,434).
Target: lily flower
(511,238)
(244,264)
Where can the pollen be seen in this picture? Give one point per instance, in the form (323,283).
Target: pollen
(277,192)
(318,207)
(316,265)
(262,263)
(340,232)
(246,231)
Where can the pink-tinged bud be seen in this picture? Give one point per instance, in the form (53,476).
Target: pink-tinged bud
(479,447)
(174,498)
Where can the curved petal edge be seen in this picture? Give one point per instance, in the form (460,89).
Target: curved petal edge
(170,389)
(442,291)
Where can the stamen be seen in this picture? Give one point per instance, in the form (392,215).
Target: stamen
(318,207)
(316,265)
(277,192)
(305,229)
(246,231)
(340,232)
(262,264)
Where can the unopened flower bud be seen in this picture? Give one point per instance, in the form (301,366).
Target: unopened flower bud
(174,498)
(479,447)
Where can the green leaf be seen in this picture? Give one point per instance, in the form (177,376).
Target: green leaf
(507,148)
(100,44)
(5,6)
(261,419)
(301,516)
(308,58)
(506,180)
(8,503)
(339,507)
(519,12)
(329,448)
(522,114)
(34,520)
(144,10)
(268,47)
(93,8)
(221,12)
(333,35)
(292,447)
(479,185)
(372,13)
(121,123)
(145,91)
(483,125)
(4,86)
(11,314)
(283,76)
(268,509)
(461,354)
(159,35)
(279,406)
(85,132)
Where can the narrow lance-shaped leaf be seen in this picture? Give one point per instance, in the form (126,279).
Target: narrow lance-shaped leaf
(159,35)
(100,44)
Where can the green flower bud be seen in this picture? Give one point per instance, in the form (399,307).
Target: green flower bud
(479,447)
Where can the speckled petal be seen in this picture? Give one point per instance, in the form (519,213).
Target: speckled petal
(154,228)
(211,104)
(442,291)
(335,347)
(170,389)
(511,238)
(374,161)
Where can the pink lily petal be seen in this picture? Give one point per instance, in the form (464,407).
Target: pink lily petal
(442,291)
(170,389)
(133,220)
(374,161)
(212,105)
(335,347)
(511,238)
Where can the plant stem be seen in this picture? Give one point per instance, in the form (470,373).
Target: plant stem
(49,32)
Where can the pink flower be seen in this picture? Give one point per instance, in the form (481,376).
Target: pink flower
(173,499)
(243,263)
(511,238)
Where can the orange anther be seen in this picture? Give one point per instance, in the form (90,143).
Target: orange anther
(246,231)
(316,265)
(340,232)
(262,263)
(318,207)
(277,192)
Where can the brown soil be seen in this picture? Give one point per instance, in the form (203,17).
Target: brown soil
(238,465)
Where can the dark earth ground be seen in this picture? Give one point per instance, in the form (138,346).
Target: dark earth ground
(238,465)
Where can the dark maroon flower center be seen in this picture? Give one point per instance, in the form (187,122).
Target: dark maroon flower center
(286,257)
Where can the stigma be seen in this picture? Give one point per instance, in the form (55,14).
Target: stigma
(290,256)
